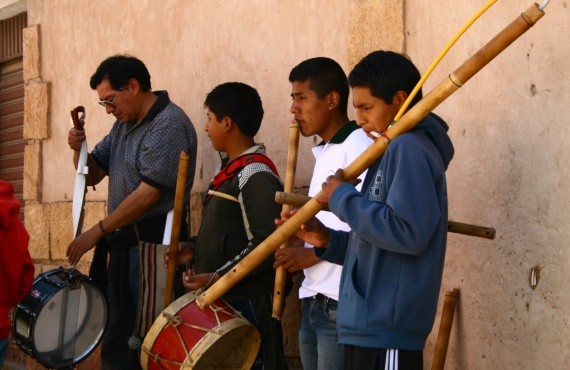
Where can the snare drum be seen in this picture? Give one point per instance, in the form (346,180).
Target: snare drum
(62,320)
(185,337)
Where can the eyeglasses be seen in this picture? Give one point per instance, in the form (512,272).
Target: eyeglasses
(109,102)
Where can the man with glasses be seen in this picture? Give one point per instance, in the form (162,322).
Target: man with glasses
(140,155)
(108,103)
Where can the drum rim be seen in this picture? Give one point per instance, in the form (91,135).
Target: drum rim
(209,339)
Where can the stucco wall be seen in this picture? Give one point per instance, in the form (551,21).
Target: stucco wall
(511,172)
(511,166)
(189,48)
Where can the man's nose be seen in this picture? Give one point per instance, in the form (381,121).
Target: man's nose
(294,108)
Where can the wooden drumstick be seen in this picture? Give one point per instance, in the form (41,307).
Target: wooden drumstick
(298,200)
(176,224)
(408,121)
(280,274)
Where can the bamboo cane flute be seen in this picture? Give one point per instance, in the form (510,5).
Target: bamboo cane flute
(444,333)
(176,224)
(447,87)
(298,200)
(280,274)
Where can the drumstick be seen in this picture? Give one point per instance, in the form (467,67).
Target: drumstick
(176,222)
(408,121)
(223,195)
(298,200)
(289,186)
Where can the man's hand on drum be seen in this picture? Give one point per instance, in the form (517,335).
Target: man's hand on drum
(312,231)
(185,253)
(81,244)
(295,257)
(193,281)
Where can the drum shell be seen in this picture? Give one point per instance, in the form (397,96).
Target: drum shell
(183,337)
(26,312)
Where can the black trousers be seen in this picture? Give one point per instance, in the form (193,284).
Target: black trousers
(258,311)
(364,358)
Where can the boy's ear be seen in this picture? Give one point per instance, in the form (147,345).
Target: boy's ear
(228,123)
(400,97)
(333,100)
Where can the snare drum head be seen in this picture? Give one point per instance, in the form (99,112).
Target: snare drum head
(62,320)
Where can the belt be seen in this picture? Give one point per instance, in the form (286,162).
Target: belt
(323,298)
(149,230)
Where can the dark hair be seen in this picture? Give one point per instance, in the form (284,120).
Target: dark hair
(238,101)
(324,76)
(119,69)
(386,73)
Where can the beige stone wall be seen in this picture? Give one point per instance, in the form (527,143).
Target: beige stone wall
(205,43)
(375,25)
(189,48)
(511,172)
(511,165)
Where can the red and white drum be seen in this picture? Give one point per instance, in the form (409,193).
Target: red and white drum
(62,320)
(184,337)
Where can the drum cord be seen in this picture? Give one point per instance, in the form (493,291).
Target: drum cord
(210,282)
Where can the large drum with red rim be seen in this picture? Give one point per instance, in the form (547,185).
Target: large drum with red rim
(184,337)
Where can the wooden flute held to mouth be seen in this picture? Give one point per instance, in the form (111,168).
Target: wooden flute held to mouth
(280,274)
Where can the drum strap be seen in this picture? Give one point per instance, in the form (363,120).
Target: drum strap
(236,165)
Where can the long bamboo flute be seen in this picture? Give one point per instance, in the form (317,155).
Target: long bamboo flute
(298,200)
(176,224)
(280,275)
(447,87)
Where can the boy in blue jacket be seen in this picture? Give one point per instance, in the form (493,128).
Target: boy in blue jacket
(393,258)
